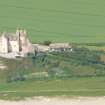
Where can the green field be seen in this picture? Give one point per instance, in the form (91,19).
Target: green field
(56,20)
(81,73)
(73,87)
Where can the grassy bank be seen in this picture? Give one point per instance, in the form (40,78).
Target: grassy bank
(94,86)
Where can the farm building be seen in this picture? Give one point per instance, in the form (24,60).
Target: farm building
(41,48)
(59,47)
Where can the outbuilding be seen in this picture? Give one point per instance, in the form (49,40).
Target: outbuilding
(60,47)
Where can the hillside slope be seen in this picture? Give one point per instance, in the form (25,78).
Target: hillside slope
(56,20)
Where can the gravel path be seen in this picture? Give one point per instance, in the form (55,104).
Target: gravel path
(58,101)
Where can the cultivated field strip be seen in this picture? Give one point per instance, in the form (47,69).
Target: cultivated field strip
(71,20)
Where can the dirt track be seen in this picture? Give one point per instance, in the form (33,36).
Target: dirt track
(58,101)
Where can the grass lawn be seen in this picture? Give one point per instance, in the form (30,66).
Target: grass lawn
(94,86)
(56,20)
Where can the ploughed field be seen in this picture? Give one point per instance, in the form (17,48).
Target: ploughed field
(56,20)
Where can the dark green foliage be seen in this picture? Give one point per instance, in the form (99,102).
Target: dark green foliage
(81,62)
(16,77)
(47,43)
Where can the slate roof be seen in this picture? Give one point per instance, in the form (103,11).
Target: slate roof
(60,45)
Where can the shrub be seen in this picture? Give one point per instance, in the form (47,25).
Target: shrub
(47,43)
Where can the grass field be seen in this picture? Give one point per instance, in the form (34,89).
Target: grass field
(77,21)
(56,20)
(94,86)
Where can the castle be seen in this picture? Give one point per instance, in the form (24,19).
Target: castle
(15,43)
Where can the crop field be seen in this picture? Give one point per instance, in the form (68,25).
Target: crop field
(55,20)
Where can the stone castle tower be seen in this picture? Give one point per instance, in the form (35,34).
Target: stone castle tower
(15,42)
(25,45)
(22,39)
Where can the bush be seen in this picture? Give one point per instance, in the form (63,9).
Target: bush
(47,43)
(15,78)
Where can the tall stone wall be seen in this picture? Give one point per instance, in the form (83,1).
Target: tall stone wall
(14,45)
(4,45)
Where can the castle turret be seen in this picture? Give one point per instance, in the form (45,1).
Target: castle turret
(24,31)
(19,41)
(23,39)
(18,32)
